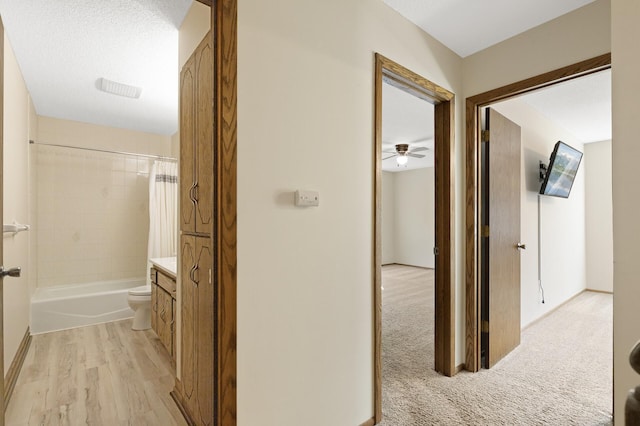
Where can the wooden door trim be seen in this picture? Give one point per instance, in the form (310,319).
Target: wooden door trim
(401,77)
(2,385)
(224,16)
(472,131)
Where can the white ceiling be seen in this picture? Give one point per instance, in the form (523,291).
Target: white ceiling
(582,106)
(64,46)
(406,119)
(468,26)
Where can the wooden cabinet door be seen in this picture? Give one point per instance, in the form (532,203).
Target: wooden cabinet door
(204,331)
(197,328)
(174,335)
(166,319)
(154,307)
(188,312)
(204,136)
(196,141)
(187,146)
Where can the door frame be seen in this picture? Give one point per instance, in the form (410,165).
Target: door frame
(224,21)
(474,104)
(444,330)
(2,372)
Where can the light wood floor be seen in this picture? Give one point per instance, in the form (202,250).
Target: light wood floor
(98,375)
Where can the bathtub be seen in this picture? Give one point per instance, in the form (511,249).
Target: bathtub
(63,307)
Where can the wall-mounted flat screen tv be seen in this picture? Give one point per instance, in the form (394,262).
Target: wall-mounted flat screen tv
(562,170)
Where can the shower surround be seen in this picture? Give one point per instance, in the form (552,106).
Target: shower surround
(92,216)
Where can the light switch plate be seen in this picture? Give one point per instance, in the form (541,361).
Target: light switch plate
(307,198)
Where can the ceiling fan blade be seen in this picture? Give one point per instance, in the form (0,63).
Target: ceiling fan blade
(415,155)
(420,148)
(391,156)
(389,151)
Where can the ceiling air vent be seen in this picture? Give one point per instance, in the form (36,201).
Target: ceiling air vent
(119,89)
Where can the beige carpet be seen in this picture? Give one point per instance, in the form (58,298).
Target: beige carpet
(561,374)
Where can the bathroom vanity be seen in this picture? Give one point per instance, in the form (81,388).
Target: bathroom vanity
(163,301)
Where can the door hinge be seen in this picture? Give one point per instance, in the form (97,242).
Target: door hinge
(209,276)
(484,136)
(485,231)
(485,326)
(436,251)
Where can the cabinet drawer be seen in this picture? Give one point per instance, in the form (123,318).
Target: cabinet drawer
(153,274)
(167,283)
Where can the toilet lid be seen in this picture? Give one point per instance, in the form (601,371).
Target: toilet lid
(144,290)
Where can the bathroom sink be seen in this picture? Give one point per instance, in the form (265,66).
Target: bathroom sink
(168,264)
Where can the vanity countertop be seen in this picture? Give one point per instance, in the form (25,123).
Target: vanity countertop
(168,265)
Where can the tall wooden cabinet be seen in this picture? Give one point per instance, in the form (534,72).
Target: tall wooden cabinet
(196,141)
(194,389)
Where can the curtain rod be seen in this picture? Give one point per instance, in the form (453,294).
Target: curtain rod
(157,157)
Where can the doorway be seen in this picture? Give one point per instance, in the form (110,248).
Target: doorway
(474,212)
(389,72)
(223,167)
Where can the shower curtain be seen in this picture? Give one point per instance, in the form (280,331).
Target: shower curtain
(163,209)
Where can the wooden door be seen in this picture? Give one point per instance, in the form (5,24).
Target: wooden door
(187,146)
(501,303)
(204,136)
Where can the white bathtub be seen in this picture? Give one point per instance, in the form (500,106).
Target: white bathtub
(63,307)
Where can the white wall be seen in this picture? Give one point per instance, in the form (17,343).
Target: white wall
(415,217)
(388,218)
(599,216)
(194,27)
(408,217)
(574,37)
(562,221)
(15,203)
(305,102)
(305,284)
(626,203)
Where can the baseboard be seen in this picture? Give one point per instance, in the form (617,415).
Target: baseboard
(16,365)
(369,422)
(177,398)
(412,266)
(599,291)
(535,321)
(459,368)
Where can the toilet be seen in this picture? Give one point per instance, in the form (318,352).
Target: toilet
(140,302)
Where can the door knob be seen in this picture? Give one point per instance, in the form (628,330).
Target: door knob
(13,272)
(521,246)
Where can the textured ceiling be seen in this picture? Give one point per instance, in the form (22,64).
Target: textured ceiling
(64,47)
(468,26)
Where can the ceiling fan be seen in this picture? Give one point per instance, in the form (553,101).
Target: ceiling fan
(402,153)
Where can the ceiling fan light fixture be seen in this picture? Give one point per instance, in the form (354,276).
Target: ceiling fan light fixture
(402,160)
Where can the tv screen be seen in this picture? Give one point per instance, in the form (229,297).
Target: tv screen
(562,170)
